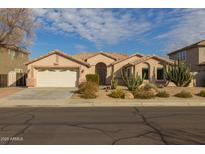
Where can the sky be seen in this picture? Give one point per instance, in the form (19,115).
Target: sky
(145,31)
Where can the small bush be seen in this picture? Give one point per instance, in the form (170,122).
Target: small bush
(184,94)
(92,78)
(89,86)
(201,93)
(88,94)
(163,94)
(143,94)
(149,86)
(118,93)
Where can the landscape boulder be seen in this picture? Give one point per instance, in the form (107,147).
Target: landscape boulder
(128,95)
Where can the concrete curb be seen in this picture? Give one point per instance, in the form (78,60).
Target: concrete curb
(104,105)
(4,103)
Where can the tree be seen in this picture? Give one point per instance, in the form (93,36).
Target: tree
(16,27)
(179,74)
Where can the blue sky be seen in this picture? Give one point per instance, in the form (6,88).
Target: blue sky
(147,31)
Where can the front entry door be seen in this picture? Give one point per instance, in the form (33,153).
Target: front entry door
(101,70)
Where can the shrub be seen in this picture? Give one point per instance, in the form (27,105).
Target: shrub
(118,93)
(179,74)
(143,94)
(184,94)
(201,93)
(163,94)
(114,82)
(92,78)
(87,94)
(89,86)
(132,82)
(149,86)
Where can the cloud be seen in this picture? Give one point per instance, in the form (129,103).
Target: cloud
(168,29)
(186,27)
(100,26)
(80,47)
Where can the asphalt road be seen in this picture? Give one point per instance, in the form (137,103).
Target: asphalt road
(123,125)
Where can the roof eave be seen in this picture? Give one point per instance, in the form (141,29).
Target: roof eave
(102,54)
(187,47)
(116,62)
(58,52)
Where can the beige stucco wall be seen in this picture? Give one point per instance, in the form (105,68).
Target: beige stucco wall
(192,58)
(97,59)
(7,63)
(201,54)
(118,67)
(152,65)
(54,61)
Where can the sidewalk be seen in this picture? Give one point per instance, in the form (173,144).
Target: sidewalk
(103,103)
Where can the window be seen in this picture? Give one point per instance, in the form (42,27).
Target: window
(160,73)
(11,53)
(181,55)
(145,73)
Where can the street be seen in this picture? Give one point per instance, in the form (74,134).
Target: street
(107,125)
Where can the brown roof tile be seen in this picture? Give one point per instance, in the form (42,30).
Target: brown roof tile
(85,55)
(125,58)
(143,59)
(60,53)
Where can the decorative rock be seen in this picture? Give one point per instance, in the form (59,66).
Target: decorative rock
(154,91)
(128,95)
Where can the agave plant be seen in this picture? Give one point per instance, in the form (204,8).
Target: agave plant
(132,82)
(179,74)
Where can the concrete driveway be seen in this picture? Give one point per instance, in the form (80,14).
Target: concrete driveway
(33,97)
(42,94)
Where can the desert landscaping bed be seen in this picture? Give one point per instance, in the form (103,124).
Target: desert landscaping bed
(104,94)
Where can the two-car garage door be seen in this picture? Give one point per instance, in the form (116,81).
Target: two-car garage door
(56,78)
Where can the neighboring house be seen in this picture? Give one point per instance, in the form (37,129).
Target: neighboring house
(194,56)
(57,69)
(12,66)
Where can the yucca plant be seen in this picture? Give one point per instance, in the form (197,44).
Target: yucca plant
(179,74)
(132,82)
(114,82)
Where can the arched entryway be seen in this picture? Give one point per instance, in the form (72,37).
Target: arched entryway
(101,70)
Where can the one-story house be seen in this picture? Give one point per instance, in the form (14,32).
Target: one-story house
(58,69)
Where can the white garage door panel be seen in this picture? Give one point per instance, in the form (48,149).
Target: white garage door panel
(56,78)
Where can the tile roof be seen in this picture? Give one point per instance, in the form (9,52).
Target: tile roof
(143,59)
(60,53)
(136,54)
(85,55)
